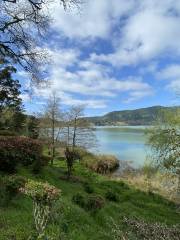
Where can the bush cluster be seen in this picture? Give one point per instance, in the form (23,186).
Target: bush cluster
(102,164)
(9,187)
(90,203)
(41,192)
(79,199)
(7,133)
(88,188)
(94,203)
(152,231)
(19,150)
(112,196)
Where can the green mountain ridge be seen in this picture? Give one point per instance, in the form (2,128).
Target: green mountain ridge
(141,116)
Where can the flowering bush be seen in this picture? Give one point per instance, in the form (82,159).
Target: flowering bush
(43,196)
(41,192)
(19,150)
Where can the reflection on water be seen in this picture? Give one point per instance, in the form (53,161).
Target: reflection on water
(126,143)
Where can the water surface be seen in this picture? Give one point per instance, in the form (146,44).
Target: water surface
(126,143)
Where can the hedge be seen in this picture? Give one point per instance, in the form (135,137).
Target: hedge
(19,150)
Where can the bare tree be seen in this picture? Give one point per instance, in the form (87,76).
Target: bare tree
(79,134)
(23,23)
(51,123)
(79,131)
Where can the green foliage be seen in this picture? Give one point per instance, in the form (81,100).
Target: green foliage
(41,192)
(88,188)
(112,196)
(11,112)
(43,196)
(7,133)
(32,125)
(70,158)
(19,150)
(79,199)
(142,116)
(89,203)
(9,94)
(94,203)
(72,222)
(164,140)
(9,187)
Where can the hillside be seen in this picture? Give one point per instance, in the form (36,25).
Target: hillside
(142,116)
(71,221)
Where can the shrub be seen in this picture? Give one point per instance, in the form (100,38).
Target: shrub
(102,164)
(70,158)
(43,196)
(94,203)
(45,160)
(88,188)
(13,184)
(79,199)
(111,196)
(91,203)
(9,187)
(7,133)
(19,150)
(151,231)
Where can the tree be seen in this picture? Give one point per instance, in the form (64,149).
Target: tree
(69,155)
(23,23)
(11,110)
(32,125)
(79,134)
(164,140)
(51,124)
(9,88)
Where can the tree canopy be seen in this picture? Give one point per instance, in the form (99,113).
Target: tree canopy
(23,23)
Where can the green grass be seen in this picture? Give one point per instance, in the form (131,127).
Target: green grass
(74,223)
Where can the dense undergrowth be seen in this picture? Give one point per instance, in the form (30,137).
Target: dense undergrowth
(71,220)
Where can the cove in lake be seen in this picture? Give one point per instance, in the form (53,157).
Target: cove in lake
(127,143)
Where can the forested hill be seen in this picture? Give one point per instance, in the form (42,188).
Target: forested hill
(142,116)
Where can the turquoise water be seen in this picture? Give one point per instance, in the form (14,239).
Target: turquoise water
(126,143)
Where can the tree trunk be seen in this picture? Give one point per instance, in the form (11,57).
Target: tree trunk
(178,186)
(68,137)
(53,140)
(74,134)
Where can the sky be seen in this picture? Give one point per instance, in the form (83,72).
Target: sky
(112,55)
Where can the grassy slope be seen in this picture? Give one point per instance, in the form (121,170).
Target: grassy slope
(73,221)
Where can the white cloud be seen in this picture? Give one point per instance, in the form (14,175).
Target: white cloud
(174,86)
(92,79)
(170,72)
(152,30)
(95,19)
(137,95)
(88,83)
(63,58)
(172,75)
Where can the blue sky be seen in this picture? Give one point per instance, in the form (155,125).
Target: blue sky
(112,55)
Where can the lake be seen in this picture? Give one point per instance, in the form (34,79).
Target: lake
(126,143)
